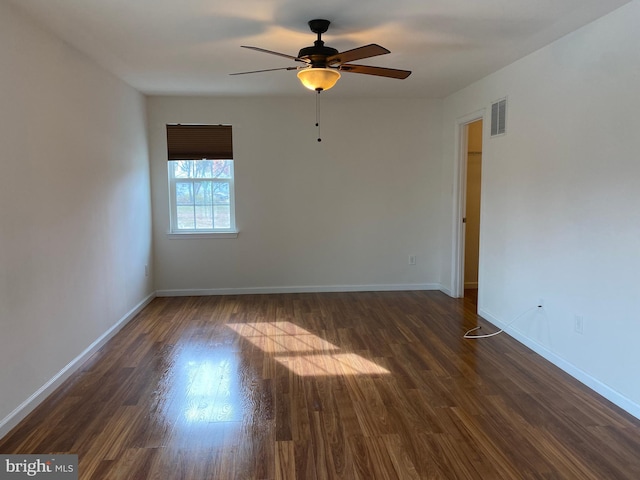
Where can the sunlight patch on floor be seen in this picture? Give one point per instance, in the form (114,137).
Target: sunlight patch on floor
(331,364)
(282,337)
(303,352)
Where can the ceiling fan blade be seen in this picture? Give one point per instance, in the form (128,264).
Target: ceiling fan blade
(359,53)
(379,71)
(267,70)
(290,57)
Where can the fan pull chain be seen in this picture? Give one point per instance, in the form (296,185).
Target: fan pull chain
(318,113)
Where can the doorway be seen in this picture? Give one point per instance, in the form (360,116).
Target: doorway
(471,215)
(468,152)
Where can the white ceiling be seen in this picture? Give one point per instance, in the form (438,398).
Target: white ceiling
(191,46)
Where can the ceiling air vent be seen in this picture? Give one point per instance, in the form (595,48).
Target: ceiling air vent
(498,117)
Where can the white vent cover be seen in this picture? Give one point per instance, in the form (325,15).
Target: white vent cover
(498,117)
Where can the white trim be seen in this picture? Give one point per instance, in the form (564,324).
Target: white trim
(593,383)
(301,289)
(192,235)
(446,291)
(459,197)
(26,407)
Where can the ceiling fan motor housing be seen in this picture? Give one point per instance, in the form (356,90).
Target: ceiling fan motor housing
(317,54)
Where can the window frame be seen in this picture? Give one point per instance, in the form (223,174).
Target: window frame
(174,231)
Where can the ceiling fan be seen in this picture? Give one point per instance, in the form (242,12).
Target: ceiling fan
(322,64)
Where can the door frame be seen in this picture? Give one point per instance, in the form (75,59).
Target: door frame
(460,198)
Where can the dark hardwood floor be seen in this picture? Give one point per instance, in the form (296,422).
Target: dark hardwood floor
(333,385)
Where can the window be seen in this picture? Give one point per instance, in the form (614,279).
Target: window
(201,193)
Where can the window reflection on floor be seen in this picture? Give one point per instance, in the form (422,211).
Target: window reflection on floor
(203,386)
(211,396)
(303,352)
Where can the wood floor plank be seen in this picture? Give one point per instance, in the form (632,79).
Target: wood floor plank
(369,385)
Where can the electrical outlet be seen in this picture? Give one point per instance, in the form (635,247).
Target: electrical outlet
(578,324)
(146,270)
(412,259)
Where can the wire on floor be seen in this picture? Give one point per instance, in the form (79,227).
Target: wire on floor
(467,334)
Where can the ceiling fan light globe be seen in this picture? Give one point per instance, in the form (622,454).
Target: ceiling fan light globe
(318,79)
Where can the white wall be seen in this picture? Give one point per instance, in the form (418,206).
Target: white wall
(561,192)
(74,208)
(343,213)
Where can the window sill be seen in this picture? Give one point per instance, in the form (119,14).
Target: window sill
(175,236)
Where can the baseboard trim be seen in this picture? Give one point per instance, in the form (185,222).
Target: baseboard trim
(26,407)
(593,383)
(446,291)
(197,292)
